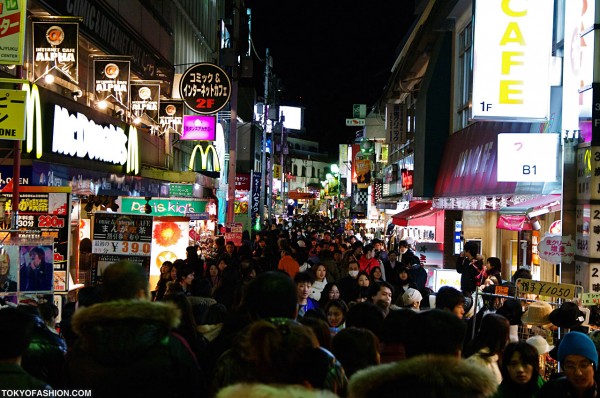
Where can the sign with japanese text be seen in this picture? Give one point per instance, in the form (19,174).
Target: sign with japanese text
(242,181)
(233,233)
(395,123)
(588,180)
(199,128)
(557,249)
(582,230)
(527,157)
(12,114)
(590,299)
(205,88)
(117,237)
(44,215)
(359,111)
(145,97)
(181,190)
(171,116)
(12,31)
(55,48)
(355,122)
(255,210)
(557,290)
(512,51)
(111,80)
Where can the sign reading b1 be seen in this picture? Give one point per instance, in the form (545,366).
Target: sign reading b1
(205,88)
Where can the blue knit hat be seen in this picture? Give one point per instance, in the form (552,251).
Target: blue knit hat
(577,343)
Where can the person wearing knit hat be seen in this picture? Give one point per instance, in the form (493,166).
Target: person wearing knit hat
(579,359)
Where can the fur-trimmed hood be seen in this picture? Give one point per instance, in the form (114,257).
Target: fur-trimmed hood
(118,330)
(426,376)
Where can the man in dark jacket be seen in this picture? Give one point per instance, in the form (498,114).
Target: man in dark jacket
(126,347)
(466,265)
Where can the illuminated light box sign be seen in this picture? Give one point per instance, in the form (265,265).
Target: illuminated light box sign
(512,51)
(199,128)
(163,207)
(527,157)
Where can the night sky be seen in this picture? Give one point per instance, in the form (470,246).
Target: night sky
(329,54)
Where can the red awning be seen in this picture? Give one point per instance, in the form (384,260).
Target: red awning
(535,207)
(513,222)
(420,209)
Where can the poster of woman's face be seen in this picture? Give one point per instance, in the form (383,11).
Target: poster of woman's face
(9,265)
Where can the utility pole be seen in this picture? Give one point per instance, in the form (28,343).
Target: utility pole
(263,159)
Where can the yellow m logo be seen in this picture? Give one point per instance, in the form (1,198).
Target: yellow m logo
(216,165)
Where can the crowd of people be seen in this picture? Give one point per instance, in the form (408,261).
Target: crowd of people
(303,309)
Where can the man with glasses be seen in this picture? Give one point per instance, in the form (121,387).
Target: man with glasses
(579,360)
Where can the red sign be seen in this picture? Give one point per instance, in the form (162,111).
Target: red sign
(407,178)
(242,181)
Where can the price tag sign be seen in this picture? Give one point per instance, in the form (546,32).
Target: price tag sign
(558,290)
(590,299)
(123,248)
(501,290)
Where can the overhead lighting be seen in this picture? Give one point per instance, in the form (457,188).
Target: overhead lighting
(49,79)
(137,120)
(102,104)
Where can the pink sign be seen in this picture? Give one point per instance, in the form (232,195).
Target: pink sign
(199,128)
(557,249)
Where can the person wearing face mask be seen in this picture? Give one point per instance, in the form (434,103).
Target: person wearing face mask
(349,288)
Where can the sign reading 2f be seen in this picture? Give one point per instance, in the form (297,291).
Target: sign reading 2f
(205,88)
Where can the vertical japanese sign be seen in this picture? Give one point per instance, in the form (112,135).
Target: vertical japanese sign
(117,237)
(255,210)
(44,215)
(145,99)
(55,48)
(111,80)
(12,31)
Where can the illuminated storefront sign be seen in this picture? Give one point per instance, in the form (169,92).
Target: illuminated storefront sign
(163,207)
(512,50)
(522,159)
(78,136)
(216,165)
(199,128)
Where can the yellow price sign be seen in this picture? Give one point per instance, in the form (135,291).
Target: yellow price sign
(12,114)
(276,171)
(558,290)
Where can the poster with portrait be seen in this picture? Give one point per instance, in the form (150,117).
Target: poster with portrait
(9,269)
(170,238)
(36,270)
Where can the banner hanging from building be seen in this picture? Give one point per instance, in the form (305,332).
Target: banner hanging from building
(145,96)
(171,116)
(55,48)
(111,80)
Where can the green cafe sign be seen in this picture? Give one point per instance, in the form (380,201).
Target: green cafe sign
(164,207)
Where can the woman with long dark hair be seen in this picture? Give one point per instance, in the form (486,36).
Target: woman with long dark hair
(488,344)
(520,372)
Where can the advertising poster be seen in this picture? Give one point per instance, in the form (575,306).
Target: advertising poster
(144,99)
(9,270)
(117,237)
(170,238)
(12,35)
(111,80)
(36,270)
(233,233)
(44,215)
(55,46)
